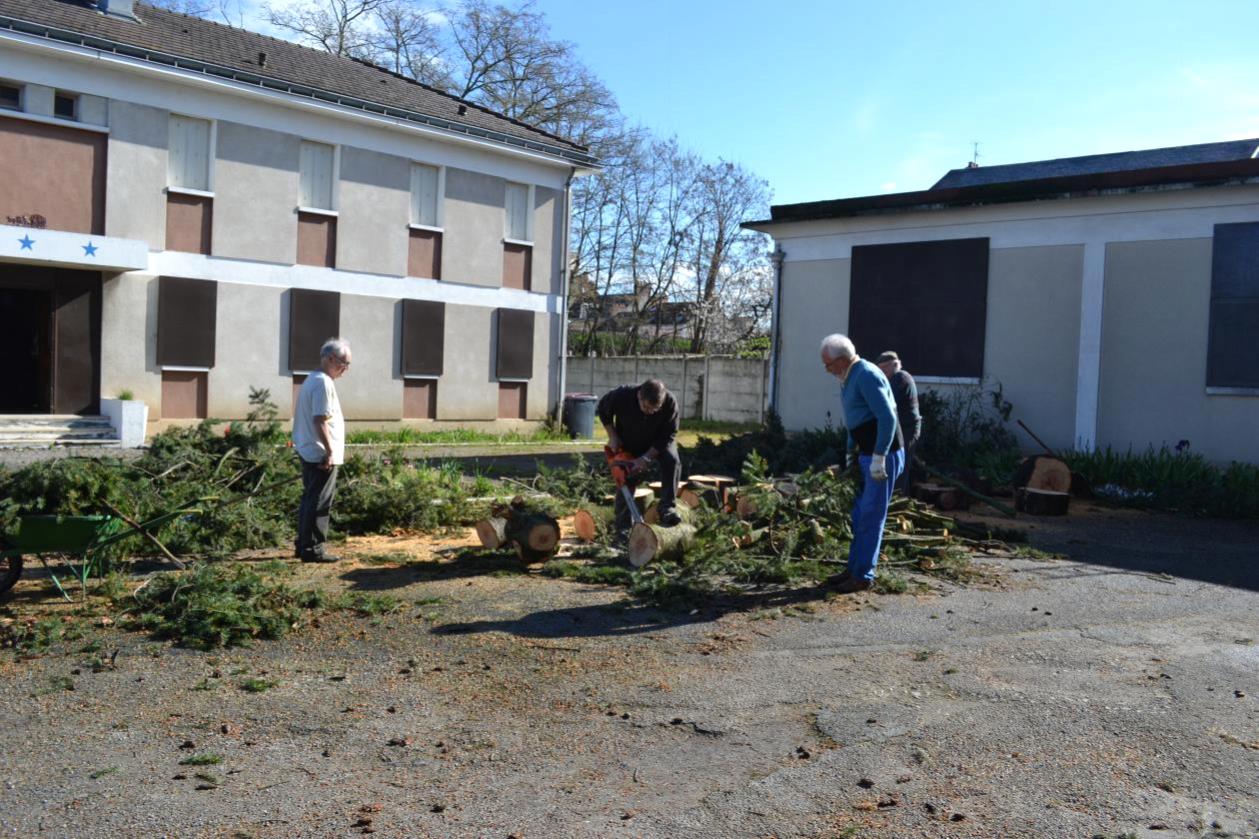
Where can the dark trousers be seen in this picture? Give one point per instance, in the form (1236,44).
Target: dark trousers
(319,487)
(906,480)
(670,474)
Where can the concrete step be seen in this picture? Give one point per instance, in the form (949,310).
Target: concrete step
(44,430)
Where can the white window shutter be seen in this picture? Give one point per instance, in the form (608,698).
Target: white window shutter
(424,195)
(517,220)
(189,153)
(316,175)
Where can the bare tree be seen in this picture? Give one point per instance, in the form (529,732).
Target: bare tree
(341,27)
(407,39)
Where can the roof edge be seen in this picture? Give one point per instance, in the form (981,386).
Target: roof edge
(55,34)
(1072,186)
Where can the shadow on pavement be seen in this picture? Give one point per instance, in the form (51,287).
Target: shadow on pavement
(463,562)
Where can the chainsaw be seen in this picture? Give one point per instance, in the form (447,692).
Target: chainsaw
(621,464)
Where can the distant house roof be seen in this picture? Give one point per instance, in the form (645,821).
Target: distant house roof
(1210,164)
(191,43)
(1097,164)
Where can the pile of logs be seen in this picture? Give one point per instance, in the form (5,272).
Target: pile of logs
(534,534)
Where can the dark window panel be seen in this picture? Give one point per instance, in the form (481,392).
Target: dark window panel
(10,96)
(186,320)
(66,106)
(515,344)
(314,317)
(423,337)
(1235,261)
(1232,351)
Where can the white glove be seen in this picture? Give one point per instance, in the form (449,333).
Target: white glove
(878,467)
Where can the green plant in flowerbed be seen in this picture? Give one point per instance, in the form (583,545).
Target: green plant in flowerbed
(1170,479)
(968,427)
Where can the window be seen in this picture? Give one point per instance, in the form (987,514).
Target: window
(515,344)
(928,301)
(314,317)
(518,215)
(425,195)
(317,166)
(1232,353)
(186,317)
(189,163)
(423,337)
(10,96)
(65,105)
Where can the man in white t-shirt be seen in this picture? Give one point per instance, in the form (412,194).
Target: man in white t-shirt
(319,437)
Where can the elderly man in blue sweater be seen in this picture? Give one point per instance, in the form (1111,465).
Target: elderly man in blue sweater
(870,415)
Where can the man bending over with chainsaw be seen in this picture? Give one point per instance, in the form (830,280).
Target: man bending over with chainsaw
(643,421)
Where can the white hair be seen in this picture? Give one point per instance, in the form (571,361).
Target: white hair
(336,348)
(838,346)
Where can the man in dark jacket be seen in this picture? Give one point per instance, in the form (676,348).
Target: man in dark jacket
(643,420)
(906,394)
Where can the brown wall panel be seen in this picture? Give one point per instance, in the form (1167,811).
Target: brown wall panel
(316,240)
(419,399)
(424,257)
(188,220)
(512,399)
(515,344)
(184,394)
(54,172)
(423,337)
(517,266)
(186,320)
(314,317)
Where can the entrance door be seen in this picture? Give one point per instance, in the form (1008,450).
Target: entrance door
(26,323)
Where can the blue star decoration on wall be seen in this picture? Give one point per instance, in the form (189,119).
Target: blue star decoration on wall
(89,249)
(26,242)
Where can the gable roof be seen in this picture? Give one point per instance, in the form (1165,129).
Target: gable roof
(1096,164)
(1210,164)
(173,39)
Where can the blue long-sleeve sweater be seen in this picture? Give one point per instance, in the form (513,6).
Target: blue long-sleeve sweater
(866,395)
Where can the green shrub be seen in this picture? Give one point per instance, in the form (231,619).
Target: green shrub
(968,427)
(1170,479)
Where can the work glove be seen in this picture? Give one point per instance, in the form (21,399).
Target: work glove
(878,467)
(640,464)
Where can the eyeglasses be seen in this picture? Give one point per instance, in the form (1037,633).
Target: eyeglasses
(343,363)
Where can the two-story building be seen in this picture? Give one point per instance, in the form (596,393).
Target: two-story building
(187,210)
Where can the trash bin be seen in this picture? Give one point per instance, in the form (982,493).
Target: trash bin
(579,414)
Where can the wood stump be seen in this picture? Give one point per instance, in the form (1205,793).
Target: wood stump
(1045,473)
(492,532)
(1041,502)
(941,496)
(651,541)
(533,533)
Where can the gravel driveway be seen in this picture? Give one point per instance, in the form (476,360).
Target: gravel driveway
(1112,693)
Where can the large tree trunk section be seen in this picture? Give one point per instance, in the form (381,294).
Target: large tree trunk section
(492,532)
(941,496)
(651,541)
(1041,502)
(589,523)
(1044,472)
(536,536)
(652,516)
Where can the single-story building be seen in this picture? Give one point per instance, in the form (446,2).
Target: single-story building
(1114,297)
(189,209)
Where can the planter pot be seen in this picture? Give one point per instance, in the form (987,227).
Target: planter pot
(129,418)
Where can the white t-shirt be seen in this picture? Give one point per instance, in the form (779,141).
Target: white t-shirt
(318,398)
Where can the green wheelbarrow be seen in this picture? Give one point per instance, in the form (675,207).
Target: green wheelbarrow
(86,537)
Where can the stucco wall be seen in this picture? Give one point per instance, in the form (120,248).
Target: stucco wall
(375,207)
(548,234)
(472,246)
(467,389)
(1154,350)
(255,194)
(814,303)
(135,198)
(370,390)
(246,349)
(129,339)
(541,392)
(1033,337)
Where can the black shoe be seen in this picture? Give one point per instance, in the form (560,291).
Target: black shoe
(851,585)
(670,518)
(320,557)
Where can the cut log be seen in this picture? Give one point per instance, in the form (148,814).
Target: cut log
(652,516)
(941,496)
(655,486)
(690,498)
(536,535)
(1044,472)
(709,494)
(713,480)
(1042,502)
(492,532)
(589,523)
(651,541)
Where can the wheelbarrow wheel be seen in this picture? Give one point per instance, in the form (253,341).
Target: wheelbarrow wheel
(10,570)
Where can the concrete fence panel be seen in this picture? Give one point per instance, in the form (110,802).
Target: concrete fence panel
(720,388)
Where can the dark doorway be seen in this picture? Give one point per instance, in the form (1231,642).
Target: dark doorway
(26,322)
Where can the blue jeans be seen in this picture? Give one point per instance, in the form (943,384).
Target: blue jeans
(869,514)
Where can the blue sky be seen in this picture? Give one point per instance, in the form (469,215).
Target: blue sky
(836,99)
